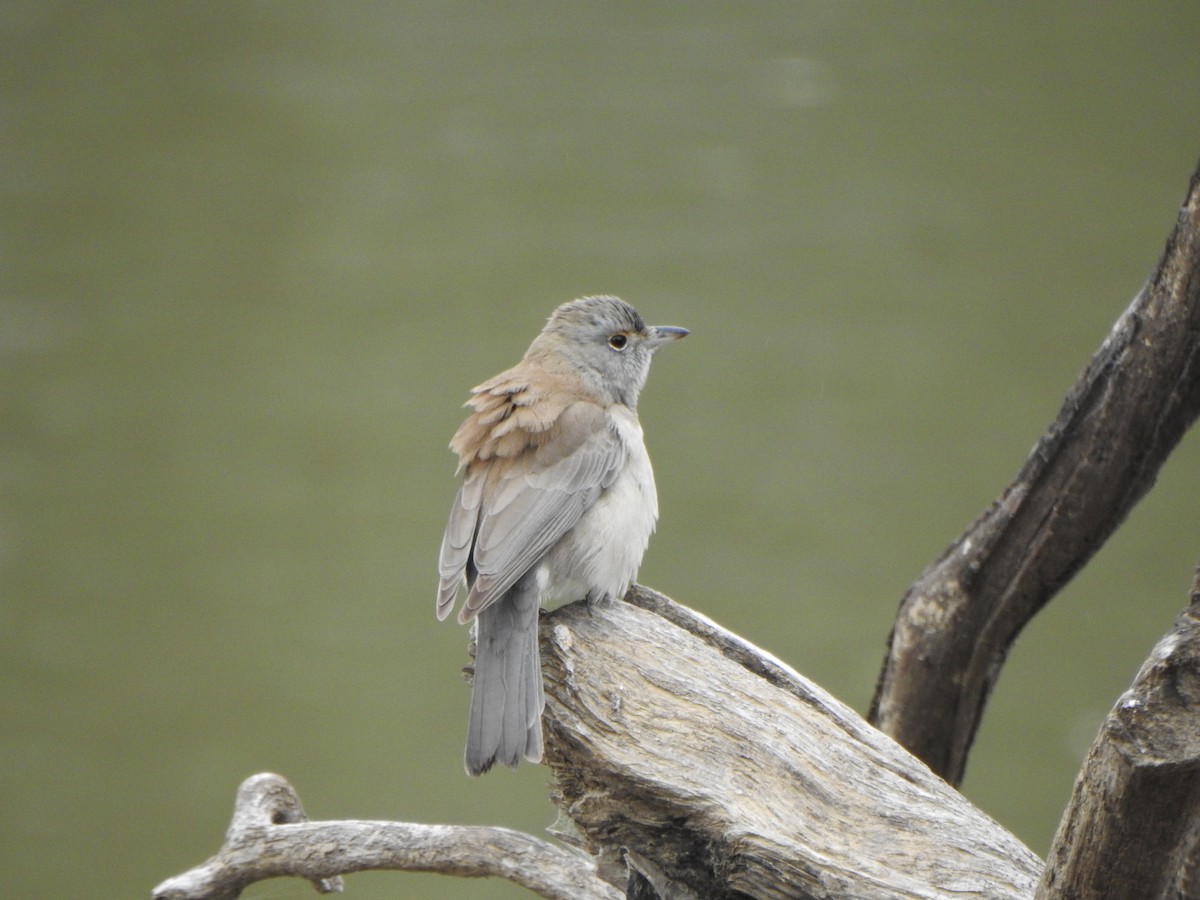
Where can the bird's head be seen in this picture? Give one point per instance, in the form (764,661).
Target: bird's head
(606,342)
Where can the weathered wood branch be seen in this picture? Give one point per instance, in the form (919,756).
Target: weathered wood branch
(738,777)
(1136,398)
(270,837)
(690,764)
(1130,829)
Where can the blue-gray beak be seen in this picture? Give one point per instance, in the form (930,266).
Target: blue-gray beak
(664,334)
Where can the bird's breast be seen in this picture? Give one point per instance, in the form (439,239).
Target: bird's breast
(602,553)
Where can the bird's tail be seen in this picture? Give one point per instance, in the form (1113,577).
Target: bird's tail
(506,698)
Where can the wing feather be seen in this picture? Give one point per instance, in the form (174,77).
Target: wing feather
(456,542)
(535,455)
(532,505)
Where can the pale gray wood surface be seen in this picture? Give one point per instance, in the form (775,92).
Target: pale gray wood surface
(755,782)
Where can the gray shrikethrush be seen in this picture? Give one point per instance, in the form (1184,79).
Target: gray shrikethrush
(557,503)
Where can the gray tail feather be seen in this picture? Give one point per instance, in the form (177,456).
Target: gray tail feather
(506,698)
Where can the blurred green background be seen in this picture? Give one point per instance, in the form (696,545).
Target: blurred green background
(256,253)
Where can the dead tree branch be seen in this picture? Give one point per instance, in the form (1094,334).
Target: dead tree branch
(270,837)
(1135,400)
(1129,831)
(690,764)
(738,777)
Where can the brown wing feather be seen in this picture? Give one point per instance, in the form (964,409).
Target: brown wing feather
(534,456)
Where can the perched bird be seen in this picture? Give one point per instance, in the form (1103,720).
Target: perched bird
(557,503)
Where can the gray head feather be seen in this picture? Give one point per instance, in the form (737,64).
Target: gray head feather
(604,341)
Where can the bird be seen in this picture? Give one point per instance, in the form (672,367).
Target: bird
(556,503)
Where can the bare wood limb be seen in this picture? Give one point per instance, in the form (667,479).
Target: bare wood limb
(691,764)
(736,776)
(1130,829)
(1137,397)
(269,838)
(688,760)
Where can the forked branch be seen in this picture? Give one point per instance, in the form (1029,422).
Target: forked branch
(1118,424)
(270,837)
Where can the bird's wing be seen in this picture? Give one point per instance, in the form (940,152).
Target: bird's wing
(544,467)
(456,543)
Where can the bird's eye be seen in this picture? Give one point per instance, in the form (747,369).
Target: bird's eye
(618,341)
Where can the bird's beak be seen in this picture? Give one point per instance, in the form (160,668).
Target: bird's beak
(664,334)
